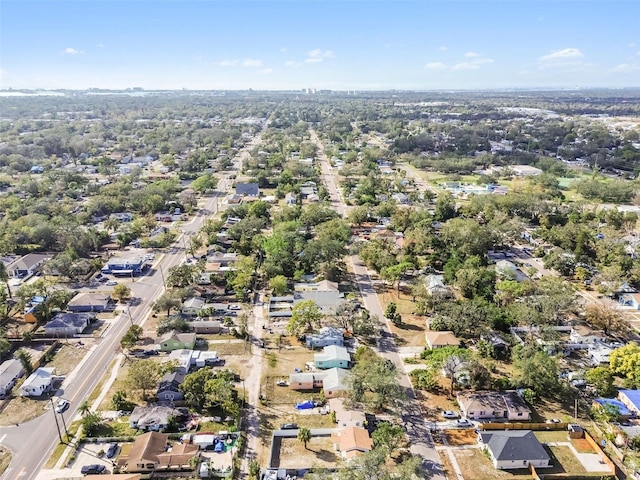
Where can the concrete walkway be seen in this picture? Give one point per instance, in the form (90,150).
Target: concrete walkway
(590,461)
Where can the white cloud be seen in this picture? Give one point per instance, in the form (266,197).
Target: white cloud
(442,48)
(471,55)
(436,66)
(70,51)
(228,63)
(265,71)
(562,55)
(318,55)
(101,45)
(251,63)
(465,66)
(632,45)
(626,68)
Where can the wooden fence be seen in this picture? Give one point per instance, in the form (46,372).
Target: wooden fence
(524,426)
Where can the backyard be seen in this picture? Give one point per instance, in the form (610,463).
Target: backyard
(319,452)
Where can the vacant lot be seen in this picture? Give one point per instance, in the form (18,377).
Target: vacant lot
(411,331)
(319,453)
(461,436)
(476,466)
(67,357)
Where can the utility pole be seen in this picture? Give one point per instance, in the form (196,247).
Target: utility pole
(66,432)
(55,417)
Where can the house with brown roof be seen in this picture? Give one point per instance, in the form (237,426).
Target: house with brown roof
(143,456)
(441,339)
(506,405)
(178,457)
(352,442)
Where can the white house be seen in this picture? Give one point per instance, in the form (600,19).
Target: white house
(10,371)
(506,405)
(39,382)
(514,449)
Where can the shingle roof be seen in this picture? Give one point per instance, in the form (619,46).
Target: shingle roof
(516,445)
(146,448)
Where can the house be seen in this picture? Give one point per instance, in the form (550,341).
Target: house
(27,265)
(248,189)
(327,301)
(335,383)
(206,326)
(125,266)
(323,286)
(173,340)
(152,417)
(185,359)
(192,306)
(441,339)
(352,442)
(346,417)
(169,386)
(10,371)
(599,353)
(506,405)
(31,307)
(90,302)
(143,456)
(509,270)
(306,381)
(290,199)
(582,334)
(631,399)
(332,356)
(325,337)
(514,449)
(435,284)
(630,300)
(122,217)
(68,324)
(38,383)
(179,456)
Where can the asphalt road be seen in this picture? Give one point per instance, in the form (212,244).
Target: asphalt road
(416,426)
(33,442)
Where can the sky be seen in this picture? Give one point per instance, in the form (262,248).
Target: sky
(337,45)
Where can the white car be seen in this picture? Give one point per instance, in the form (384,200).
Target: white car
(464,423)
(62,405)
(111,283)
(450,414)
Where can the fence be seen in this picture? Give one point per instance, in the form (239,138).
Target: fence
(524,426)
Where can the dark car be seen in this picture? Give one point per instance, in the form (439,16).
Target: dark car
(93,468)
(151,352)
(111,451)
(289,426)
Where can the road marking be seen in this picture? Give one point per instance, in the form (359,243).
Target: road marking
(3,437)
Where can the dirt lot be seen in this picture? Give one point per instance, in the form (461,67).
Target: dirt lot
(476,466)
(433,405)
(319,452)
(446,466)
(411,332)
(461,436)
(5,459)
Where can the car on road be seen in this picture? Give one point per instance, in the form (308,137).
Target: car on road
(464,423)
(450,414)
(112,450)
(111,283)
(289,426)
(93,468)
(62,405)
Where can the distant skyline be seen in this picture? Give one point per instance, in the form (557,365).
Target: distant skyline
(337,45)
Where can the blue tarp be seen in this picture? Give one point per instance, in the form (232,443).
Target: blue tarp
(305,405)
(219,447)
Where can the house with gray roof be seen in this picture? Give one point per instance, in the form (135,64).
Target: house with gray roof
(38,383)
(328,301)
(332,356)
(90,302)
(248,189)
(10,371)
(169,386)
(325,337)
(27,265)
(514,449)
(152,417)
(489,405)
(68,324)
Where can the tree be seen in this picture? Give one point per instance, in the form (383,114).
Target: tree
(182,275)
(84,409)
(625,361)
(194,385)
(391,312)
(204,182)
(119,400)
(394,273)
(602,380)
(388,437)
(605,317)
(536,370)
(121,292)
(195,244)
(143,375)
(374,380)
(132,337)
(167,301)
(24,358)
(4,277)
(279,285)
(305,316)
(304,435)
(90,423)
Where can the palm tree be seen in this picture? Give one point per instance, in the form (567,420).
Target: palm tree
(84,409)
(304,435)
(4,277)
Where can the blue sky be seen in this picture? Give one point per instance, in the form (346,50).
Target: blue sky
(355,45)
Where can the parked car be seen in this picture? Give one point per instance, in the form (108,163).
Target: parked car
(289,426)
(464,423)
(151,352)
(93,468)
(112,450)
(111,283)
(62,405)
(450,414)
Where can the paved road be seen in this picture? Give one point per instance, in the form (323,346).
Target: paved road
(33,442)
(412,417)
